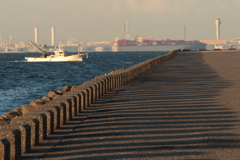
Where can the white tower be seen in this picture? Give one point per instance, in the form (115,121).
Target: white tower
(184,28)
(218,23)
(52,36)
(10,40)
(126,30)
(36,35)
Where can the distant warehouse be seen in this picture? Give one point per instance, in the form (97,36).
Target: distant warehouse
(215,41)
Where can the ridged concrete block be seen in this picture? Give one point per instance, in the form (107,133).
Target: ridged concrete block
(103,87)
(56,115)
(86,98)
(107,83)
(98,89)
(89,95)
(62,111)
(4,149)
(95,93)
(130,76)
(71,102)
(83,100)
(49,120)
(121,79)
(92,93)
(14,138)
(78,102)
(34,125)
(25,135)
(202,49)
(42,119)
(67,108)
(113,81)
(117,80)
(184,50)
(125,78)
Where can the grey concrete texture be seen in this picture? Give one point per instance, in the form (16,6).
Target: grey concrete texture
(25,134)
(42,119)
(4,148)
(34,126)
(14,138)
(184,108)
(49,120)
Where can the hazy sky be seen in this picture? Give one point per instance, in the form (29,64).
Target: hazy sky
(85,19)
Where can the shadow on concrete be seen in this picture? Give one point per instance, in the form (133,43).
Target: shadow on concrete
(170,112)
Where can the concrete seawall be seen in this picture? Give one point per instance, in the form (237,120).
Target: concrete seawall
(27,130)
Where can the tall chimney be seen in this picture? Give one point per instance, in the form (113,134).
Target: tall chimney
(36,35)
(10,40)
(185,32)
(218,23)
(52,36)
(126,30)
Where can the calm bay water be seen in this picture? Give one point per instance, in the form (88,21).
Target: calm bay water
(22,82)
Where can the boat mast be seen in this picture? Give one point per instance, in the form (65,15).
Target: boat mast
(34,45)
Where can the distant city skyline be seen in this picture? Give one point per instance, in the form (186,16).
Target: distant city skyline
(102,19)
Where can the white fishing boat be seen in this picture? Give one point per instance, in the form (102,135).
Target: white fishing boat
(60,55)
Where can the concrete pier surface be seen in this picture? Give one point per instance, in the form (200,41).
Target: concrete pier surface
(185,108)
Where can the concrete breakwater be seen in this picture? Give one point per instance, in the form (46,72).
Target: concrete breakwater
(28,129)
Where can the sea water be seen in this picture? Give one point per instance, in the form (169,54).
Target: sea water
(22,82)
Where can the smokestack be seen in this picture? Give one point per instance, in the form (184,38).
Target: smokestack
(36,35)
(184,32)
(218,23)
(52,36)
(10,40)
(126,30)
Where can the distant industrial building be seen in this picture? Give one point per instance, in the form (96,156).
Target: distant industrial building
(218,40)
(214,41)
(220,43)
(96,46)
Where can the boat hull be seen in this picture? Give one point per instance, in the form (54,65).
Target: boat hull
(55,58)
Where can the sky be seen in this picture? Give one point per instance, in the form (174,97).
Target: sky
(85,19)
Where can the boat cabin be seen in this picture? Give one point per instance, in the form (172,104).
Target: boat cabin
(60,52)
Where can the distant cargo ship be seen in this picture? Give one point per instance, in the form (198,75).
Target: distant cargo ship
(150,44)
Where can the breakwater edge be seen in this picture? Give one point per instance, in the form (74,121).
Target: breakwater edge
(23,82)
(29,129)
